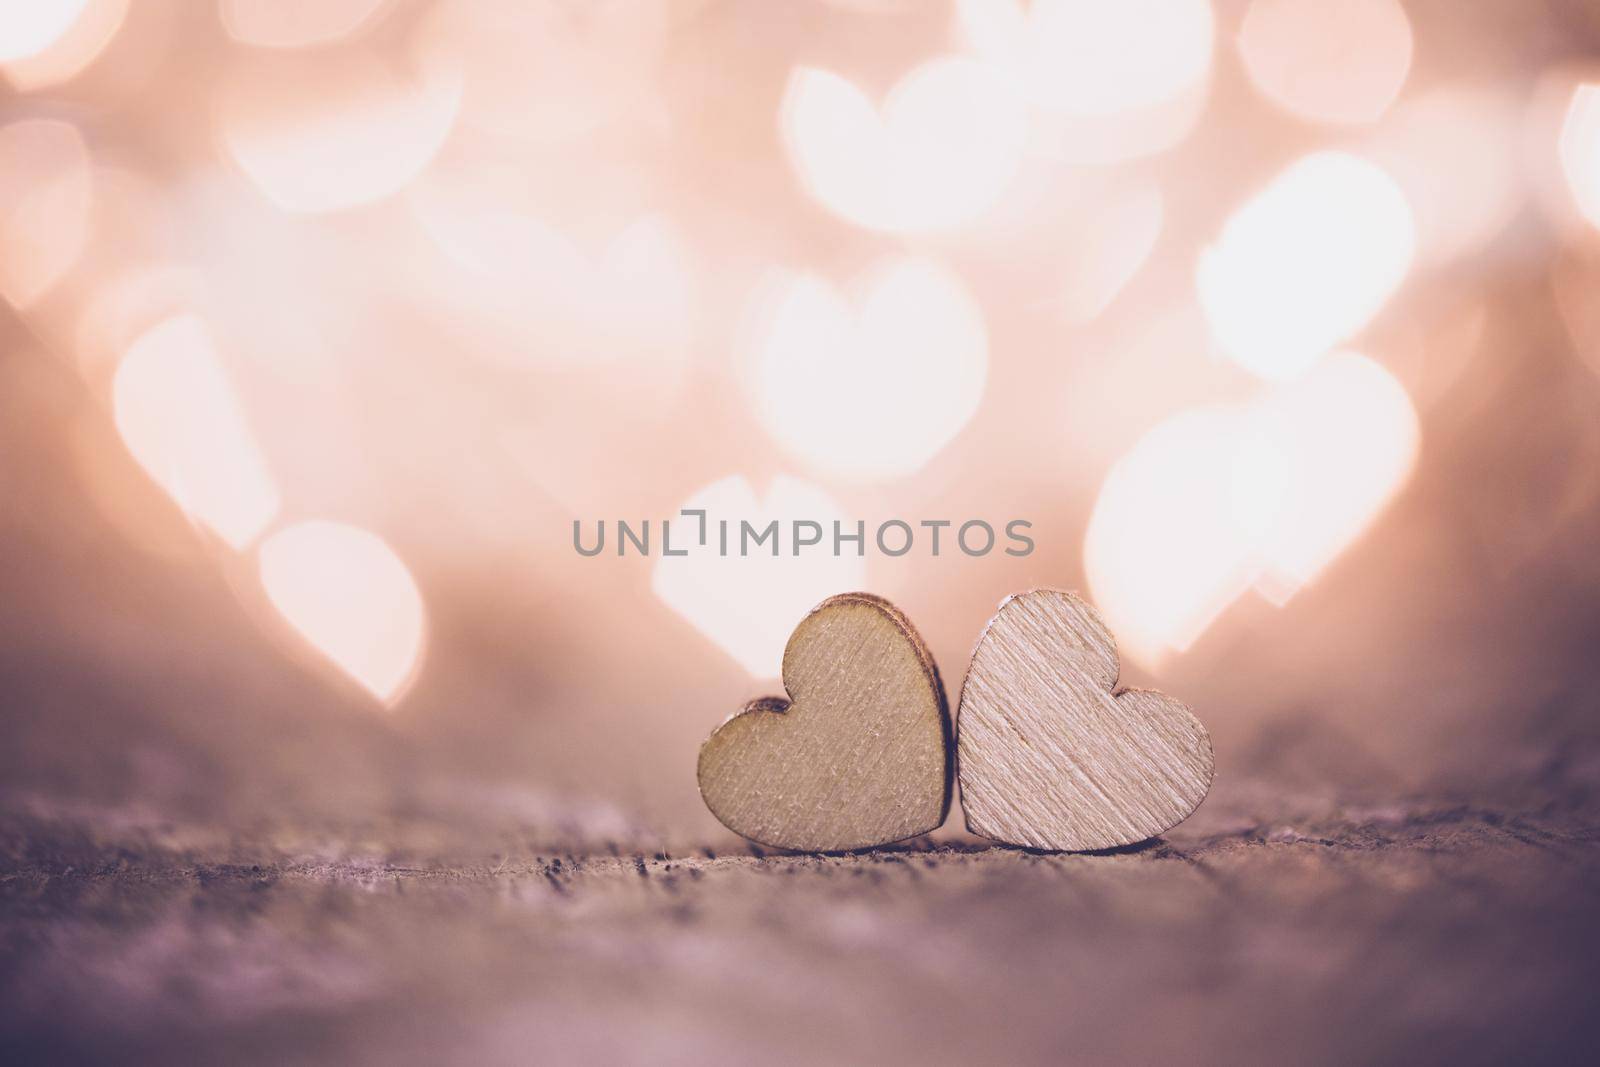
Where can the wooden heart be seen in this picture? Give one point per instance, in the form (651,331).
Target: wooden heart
(1051,755)
(857,756)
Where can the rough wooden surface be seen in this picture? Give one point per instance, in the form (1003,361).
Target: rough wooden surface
(1272,927)
(1049,757)
(861,756)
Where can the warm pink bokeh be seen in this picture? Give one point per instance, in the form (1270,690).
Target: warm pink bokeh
(324,321)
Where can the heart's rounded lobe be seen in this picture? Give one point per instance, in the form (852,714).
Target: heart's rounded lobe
(858,755)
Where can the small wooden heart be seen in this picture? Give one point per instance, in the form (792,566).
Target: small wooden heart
(1051,754)
(857,756)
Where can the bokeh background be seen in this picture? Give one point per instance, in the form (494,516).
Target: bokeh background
(323,321)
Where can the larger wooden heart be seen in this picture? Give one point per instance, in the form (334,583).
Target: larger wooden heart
(859,753)
(1051,754)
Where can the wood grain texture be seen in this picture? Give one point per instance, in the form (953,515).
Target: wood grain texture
(859,753)
(1051,755)
(1455,932)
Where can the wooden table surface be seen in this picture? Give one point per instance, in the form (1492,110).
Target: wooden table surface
(1270,928)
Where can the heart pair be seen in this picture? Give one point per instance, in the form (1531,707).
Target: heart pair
(861,752)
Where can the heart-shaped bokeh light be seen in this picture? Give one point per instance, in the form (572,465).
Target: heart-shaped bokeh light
(1306,263)
(318,132)
(179,415)
(748,604)
(1096,57)
(1345,438)
(1214,501)
(870,387)
(347,593)
(939,151)
(1167,546)
(1108,79)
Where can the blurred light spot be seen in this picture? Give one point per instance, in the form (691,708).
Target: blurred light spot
(870,388)
(348,594)
(1350,434)
(1454,152)
(28,27)
(1339,62)
(1108,139)
(1261,477)
(747,605)
(1097,57)
(320,132)
(1112,79)
(47,42)
(179,416)
(1163,552)
(44,206)
(1214,501)
(942,148)
(1580,150)
(1306,263)
(1107,250)
(295,23)
(548,72)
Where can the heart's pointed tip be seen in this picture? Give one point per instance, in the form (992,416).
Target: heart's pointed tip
(836,846)
(1116,845)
